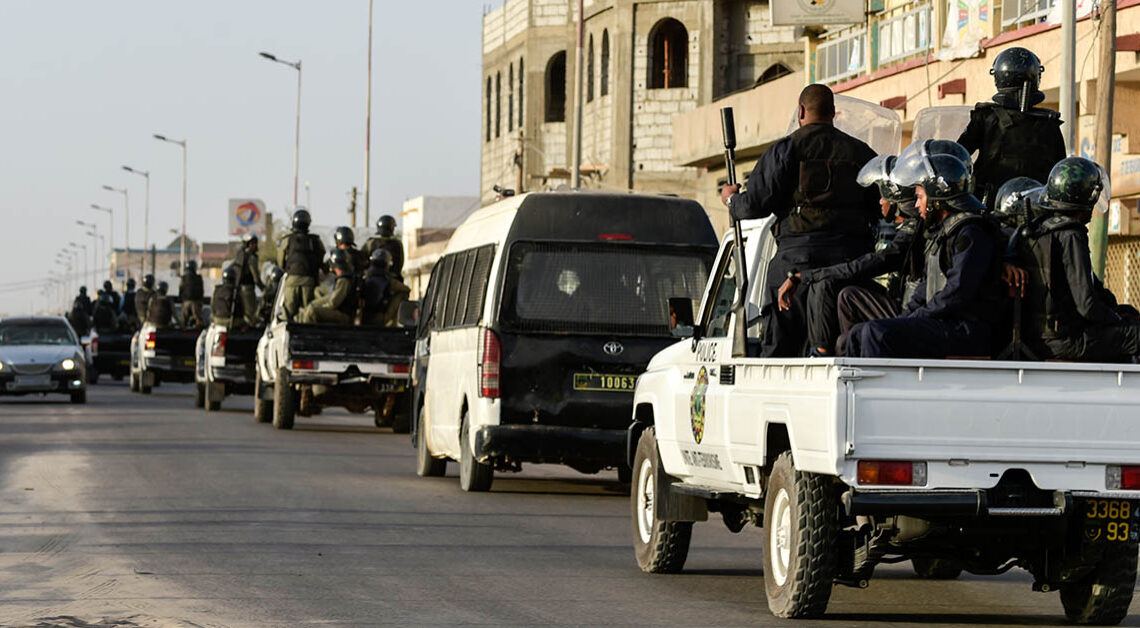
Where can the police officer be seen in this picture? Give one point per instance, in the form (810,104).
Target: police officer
(128,305)
(109,288)
(143,297)
(160,312)
(299,253)
(339,306)
(223,300)
(1068,315)
(78,317)
(344,239)
(191,292)
(386,239)
(272,279)
(105,316)
(248,277)
(1012,136)
(383,292)
(958,303)
(83,301)
(808,181)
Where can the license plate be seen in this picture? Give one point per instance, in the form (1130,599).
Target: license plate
(608,383)
(188,362)
(124,362)
(1112,520)
(32,381)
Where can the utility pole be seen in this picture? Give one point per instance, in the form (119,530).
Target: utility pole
(1068,74)
(576,171)
(1105,88)
(367,135)
(520,181)
(352,206)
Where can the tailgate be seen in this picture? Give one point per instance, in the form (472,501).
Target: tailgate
(351,344)
(994,411)
(176,342)
(241,347)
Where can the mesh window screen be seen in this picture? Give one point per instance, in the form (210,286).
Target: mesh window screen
(479,276)
(439,308)
(464,263)
(605,288)
(1122,268)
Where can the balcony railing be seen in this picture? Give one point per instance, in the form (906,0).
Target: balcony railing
(905,34)
(842,56)
(1018,13)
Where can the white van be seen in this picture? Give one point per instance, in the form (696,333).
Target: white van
(537,321)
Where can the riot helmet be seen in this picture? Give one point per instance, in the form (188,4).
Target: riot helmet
(148,281)
(344,235)
(1074,186)
(131,283)
(108,286)
(386,226)
(83,291)
(339,260)
(945,180)
(1010,202)
(1017,75)
(912,164)
(191,266)
(163,287)
(229,274)
(382,259)
(302,220)
(249,241)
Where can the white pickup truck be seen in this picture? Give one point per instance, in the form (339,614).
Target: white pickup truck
(846,463)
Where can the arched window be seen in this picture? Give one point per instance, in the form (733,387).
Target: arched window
(668,55)
(605,78)
(498,103)
(590,71)
(556,88)
(488,109)
(511,98)
(774,72)
(521,85)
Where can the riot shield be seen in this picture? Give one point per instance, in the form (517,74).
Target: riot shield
(878,126)
(941,123)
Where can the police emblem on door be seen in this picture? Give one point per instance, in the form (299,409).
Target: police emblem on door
(697,405)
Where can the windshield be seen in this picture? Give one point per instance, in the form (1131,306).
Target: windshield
(35,334)
(599,288)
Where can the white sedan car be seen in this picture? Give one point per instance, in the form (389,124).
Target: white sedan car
(41,355)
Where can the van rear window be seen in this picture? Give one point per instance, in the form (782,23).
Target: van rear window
(613,288)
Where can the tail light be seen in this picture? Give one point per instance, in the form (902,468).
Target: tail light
(150,340)
(492,354)
(618,237)
(1122,477)
(304,365)
(219,349)
(95,346)
(401,368)
(891,473)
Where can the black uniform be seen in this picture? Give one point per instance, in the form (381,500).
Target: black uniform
(160,311)
(382,295)
(106,318)
(393,246)
(128,307)
(956,306)
(807,180)
(1011,143)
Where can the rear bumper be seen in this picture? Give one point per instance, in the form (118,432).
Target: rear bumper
(551,444)
(233,374)
(171,364)
(962,503)
(381,382)
(60,381)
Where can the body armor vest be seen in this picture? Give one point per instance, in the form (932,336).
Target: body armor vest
(375,294)
(302,255)
(222,305)
(348,305)
(1049,309)
(827,197)
(939,255)
(192,288)
(160,311)
(1016,145)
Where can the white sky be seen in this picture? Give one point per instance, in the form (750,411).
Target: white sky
(86,84)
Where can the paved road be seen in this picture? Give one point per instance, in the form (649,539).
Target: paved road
(145,511)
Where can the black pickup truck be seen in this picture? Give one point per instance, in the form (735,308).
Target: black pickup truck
(111,355)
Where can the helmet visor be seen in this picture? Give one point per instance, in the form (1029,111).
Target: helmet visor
(912,166)
(876,171)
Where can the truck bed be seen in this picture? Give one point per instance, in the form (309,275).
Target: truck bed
(241,346)
(350,343)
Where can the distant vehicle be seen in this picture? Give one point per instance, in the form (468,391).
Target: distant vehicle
(303,368)
(226,364)
(110,355)
(538,320)
(162,355)
(41,354)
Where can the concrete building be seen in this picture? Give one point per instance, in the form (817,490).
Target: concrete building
(427,223)
(644,62)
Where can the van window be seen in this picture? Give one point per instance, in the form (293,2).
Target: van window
(459,287)
(479,276)
(457,293)
(599,288)
(439,296)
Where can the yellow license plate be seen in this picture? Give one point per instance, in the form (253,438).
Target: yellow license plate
(608,383)
(1113,520)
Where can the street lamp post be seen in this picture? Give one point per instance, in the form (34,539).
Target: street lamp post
(110,229)
(127,217)
(182,240)
(297,140)
(94,233)
(86,270)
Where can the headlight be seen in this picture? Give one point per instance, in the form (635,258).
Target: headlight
(67,364)
(1,366)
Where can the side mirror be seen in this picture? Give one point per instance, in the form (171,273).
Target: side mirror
(409,314)
(681,323)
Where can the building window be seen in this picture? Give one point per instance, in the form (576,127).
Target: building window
(511,98)
(590,71)
(498,103)
(774,72)
(520,92)
(605,78)
(556,88)
(668,55)
(488,109)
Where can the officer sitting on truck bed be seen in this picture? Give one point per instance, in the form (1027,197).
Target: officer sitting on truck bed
(807,180)
(339,306)
(383,292)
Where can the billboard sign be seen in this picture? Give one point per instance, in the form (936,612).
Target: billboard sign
(816,12)
(247,215)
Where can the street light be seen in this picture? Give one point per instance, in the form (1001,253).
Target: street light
(297,141)
(86,270)
(110,228)
(127,219)
(182,240)
(94,249)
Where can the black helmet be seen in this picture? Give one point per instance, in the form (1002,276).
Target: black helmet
(82,289)
(148,281)
(163,287)
(131,283)
(386,226)
(344,235)
(339,259)
(107,286)
(302,220)
(248,239)
(229,274)
(928,163)
(382,259)
(1074,185)
(191,266)
(1017,71)
(1011,197)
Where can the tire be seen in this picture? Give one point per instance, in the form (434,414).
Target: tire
(660,546)
(402,421)
(145,385)
(92,375)
(134,383)
(936,568)
(426,466)
(800,530)
(262,408)
(79,396)
(284,402)
(625,474)
(1102,597)
(213,397)
(200,396)
(474,476)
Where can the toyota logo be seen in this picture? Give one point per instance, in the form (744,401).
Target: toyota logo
(613,348)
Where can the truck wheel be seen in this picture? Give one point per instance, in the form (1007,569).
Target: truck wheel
(402,418)
(1102,597)
(92,375)
(134,383)
(936,568)
(79,396)
(146,382)
(800,529)
(474,476)
(426,466)
(283,401)
(200,396)
(660,546)
(213,396)
(262,408)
